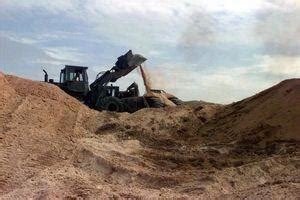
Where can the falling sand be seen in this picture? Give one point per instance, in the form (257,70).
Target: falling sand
(146,79)
(164,97)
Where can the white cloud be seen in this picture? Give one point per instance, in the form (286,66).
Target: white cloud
(53,6)
(287,66)
(165,8)
(279,27)
(66,53)
(133,22)
(142,7)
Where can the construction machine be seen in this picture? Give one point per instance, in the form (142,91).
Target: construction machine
(73,80)
(102,94)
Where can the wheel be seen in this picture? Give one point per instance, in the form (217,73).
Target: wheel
(176,101)
(87,99)
(112,104)
(154,102)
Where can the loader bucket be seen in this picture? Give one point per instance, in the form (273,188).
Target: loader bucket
(125,64)
(129,60)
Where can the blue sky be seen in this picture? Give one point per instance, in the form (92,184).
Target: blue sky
(218,51)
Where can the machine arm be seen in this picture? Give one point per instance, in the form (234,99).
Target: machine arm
(125,64)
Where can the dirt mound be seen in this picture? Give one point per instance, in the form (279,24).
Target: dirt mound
(277,108)
(54,147)
(39,124)
(261,121)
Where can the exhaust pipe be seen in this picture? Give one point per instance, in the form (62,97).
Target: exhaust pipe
(45,76)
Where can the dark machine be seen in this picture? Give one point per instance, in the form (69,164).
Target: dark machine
(73,80)
(102,96)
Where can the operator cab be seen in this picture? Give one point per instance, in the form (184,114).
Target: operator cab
(74,80)
(73,74)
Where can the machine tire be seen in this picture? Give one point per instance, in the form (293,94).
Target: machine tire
(154,102)
(112,104)
(87,99)
(176,101)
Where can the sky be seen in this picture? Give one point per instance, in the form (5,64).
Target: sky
(216,51)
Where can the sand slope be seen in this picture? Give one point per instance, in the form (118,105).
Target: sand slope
(53,147)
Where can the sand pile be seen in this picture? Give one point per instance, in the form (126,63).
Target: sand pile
(39,127)
(53,147)
(262,120)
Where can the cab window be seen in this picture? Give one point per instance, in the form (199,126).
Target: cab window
(75,76)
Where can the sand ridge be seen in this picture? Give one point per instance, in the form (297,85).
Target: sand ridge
(54,147)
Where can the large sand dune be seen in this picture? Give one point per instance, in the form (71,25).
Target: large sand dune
(54,147)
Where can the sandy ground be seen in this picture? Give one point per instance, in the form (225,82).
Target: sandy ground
(53,147)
